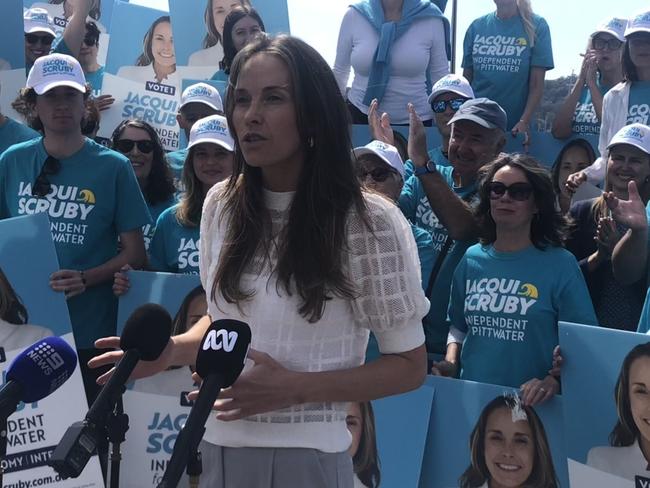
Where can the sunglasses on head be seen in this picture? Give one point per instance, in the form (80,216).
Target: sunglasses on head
(34,38)
(42,185)
(517,191)
(378,174)
(441,105)
(126,146)
(600,44)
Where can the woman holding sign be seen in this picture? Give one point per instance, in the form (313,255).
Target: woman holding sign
(291,245)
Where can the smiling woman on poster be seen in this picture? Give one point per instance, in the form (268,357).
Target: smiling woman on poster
(629,452)
(158,60)
(509,448)
(15,333)
(215,15)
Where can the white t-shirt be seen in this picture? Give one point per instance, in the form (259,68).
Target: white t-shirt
(384,267)
(626,462)
(210,56)
(15,337)
(420,49)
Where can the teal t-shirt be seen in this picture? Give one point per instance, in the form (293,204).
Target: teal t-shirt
(95,79)
(12,132)
(499,53)
(644,320)
(94,197)
(509,305)
(220,76)
(174,248)
(155,211)
(436,155)
(176,161)
(585,121)
(415,206)
(639,103)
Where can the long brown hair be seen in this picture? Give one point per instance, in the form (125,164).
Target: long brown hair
(543,474)
(312,247)
(366,459)
(212,37)
(190,206)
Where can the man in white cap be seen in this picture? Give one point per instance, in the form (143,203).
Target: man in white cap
(89,192)
(40,34)
(581,111)
(197,102)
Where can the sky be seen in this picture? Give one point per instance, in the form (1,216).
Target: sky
(571,22)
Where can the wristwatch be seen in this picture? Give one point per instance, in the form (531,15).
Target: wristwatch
(430,167)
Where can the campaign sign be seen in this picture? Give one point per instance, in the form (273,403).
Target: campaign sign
(202,46)
(604,425)
(27,258)
(12,56)
(461,406)
(401,438)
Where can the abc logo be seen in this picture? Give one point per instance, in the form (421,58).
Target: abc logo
(220,339)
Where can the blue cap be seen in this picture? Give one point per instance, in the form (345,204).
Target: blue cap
(483,111)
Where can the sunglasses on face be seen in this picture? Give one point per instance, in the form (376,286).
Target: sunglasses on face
(441,105)
(517,191)
(35,38)
(600,44)
(42,185)
(378,174)
(126,146)
(91,41)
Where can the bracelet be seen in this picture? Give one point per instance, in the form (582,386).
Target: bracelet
(83,277)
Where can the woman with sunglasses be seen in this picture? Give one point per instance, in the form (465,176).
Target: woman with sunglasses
(505,303)
(581,112)
(89,192)
(139,142)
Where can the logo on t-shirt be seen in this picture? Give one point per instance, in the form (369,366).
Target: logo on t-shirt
(498,53)
(639,113)
(188,255)
(496,307)
(585,120)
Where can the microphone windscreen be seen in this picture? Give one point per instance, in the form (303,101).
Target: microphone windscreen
(147,330)
(223,350)
(42,368)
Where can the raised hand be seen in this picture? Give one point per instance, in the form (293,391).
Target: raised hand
(417,143)
(379,125)
(632,212)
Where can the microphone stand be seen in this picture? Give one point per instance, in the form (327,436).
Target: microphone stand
(7,407)
(117,425)
(194,467)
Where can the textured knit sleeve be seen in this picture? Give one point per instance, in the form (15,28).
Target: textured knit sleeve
(209,223)
(384,265)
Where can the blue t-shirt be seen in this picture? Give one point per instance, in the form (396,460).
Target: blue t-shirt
(415,206)
(436,155)
(499,53)
(12,132)
(509,304)
(174,248)
(639,103)
(94,197)
(95,79)
(585,121)
(154,211)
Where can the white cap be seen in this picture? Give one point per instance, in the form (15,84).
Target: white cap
(56,70)
(614,26)
(202,93)
(386,152)
(452,83)
(38,20)
(639,23)
(212,129)
(637,135)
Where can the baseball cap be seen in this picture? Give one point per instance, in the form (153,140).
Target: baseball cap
(56,70)
(485,112)
(614,26)
(202,93)
(637,135)
(452,83)
(38,20)
(638,23)
(385,152)
(212,129)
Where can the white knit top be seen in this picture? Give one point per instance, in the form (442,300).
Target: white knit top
(390,302)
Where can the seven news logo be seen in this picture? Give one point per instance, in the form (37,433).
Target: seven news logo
(220,339)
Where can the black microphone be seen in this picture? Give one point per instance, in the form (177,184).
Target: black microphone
(145,336)
(220,361)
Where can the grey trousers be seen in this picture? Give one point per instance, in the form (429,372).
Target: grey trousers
(252,467)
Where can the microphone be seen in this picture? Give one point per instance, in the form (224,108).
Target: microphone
(145,336)
(219,362)
(36,373)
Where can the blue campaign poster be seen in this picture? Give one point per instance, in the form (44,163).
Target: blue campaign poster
(12,52)
(101,10)
(401,437)
(188,15)
(593,360)
(166,289)
(457,407)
